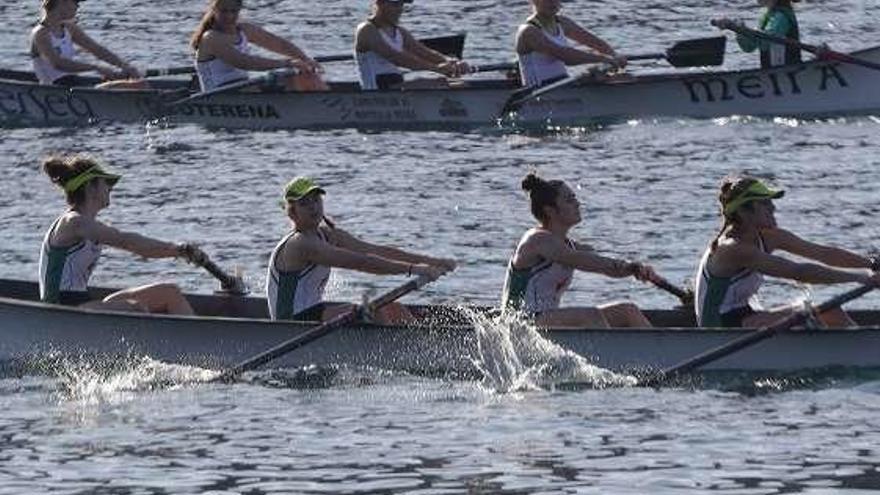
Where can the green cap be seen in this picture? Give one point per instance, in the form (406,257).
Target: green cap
(87,175)
(299,187)
(757,191)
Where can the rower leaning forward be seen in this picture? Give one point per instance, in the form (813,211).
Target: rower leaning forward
(382,47)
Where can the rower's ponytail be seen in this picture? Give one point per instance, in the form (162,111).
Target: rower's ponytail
(542,193)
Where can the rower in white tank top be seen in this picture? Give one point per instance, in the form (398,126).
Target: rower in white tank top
(214,72)
(66,269)
(371,65)
(537,288)
(291,293)
(46,72)
(537,68)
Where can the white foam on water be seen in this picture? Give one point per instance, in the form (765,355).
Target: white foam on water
(91,380)
(513,355)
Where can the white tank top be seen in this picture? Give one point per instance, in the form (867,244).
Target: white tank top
(371,64)
(46,72)
(290,293)
(65,269)
(537,68)
(537,288)
(716,296)
(214,72)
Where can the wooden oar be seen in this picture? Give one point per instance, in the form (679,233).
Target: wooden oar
(452,46)
(823,52)
(754,337)
(684,295)
(228,283)
(267,78)
(697,52)
(322,329)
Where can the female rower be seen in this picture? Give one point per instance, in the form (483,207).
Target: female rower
(381,46)
(73,244)
(300,264)
(221,45)
(544,262)
(778,19)
(544,51)
(733,267)
(54,55)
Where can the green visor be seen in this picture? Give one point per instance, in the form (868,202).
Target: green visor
(300,187)
(757,191)
(91,173)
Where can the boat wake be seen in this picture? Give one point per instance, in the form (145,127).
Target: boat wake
(513,356)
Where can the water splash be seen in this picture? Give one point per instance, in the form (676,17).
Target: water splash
(93,380)
(513,355)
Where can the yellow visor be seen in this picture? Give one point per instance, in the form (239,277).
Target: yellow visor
(92,173)
(757,191)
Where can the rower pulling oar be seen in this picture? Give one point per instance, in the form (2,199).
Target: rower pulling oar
(323,329)
(822,52)
(754,337)
(697,52)
(452,46)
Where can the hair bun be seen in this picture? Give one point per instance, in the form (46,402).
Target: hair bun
(531,182)
(56,168)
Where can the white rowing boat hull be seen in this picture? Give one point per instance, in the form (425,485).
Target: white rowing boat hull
(806,90)
(31,330)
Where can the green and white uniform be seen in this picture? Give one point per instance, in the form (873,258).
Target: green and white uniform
(66,269)
(291,293)
(538,288)
(722,301)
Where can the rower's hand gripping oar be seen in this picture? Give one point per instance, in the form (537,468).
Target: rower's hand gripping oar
(452,46)
(753,337)
(323,329)
(228,283)
(821,52)
(698,52)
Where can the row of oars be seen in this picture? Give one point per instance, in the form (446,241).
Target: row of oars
(686,297)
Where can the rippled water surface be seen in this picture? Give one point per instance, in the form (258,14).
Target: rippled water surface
(648,190)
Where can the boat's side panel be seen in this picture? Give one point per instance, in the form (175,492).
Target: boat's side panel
(32,330)
(809,89)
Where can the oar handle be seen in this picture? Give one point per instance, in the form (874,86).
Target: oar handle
(685,296)
(756,336)
(645,56)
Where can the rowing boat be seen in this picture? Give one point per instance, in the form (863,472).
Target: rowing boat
(810,89)
(229,329)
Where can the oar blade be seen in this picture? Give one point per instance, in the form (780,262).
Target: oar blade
(452,46)
(699,52)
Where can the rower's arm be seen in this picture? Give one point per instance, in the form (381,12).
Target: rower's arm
(347,241)
(44,47)
(531,39)
(829,255)
(128,241)
(221,48)
(369,39)
(573,31)
(552,249)
(810,273)
(329,255)
(271,42)
(82,39)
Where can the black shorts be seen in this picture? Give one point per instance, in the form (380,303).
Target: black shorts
(314,313)
(388,81)
(73,298)
(73,81)
(734,318)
